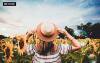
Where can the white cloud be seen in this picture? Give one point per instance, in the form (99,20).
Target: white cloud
(24,17)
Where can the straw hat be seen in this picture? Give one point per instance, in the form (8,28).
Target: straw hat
(46,31)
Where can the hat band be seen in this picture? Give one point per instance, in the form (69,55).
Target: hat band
(47,35)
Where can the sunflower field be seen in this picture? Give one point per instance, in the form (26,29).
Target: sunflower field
(11,52)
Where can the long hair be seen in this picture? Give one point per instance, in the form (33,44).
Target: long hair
(42,47)
(46,47)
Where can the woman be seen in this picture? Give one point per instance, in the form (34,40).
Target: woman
(45,49)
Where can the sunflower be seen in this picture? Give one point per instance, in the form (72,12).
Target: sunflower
(8,50)
(21,45)
(31,40)
(2,44)
(56,42)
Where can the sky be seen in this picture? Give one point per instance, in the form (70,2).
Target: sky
(27,14)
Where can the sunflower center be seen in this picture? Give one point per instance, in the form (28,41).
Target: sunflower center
(21,44)
(7,52)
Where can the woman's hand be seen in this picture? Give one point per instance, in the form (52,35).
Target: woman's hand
(75,43)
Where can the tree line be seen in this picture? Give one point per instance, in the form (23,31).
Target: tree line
(88,30)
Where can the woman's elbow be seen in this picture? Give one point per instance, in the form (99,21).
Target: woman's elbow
(76,48)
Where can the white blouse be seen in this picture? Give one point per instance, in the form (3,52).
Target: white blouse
(55,58)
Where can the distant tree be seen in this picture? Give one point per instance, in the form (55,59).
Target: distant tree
(2,37)
(95,30)
(92,30)
(69,30)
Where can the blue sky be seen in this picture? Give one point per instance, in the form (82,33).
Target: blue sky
(28,13)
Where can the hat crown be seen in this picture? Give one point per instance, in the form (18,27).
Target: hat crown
(46,31)
(47,28)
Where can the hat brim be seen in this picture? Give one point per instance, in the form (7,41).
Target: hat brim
(44,38)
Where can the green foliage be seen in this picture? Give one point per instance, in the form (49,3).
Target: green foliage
(85,52)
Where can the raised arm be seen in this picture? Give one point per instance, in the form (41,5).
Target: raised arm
(75,43)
